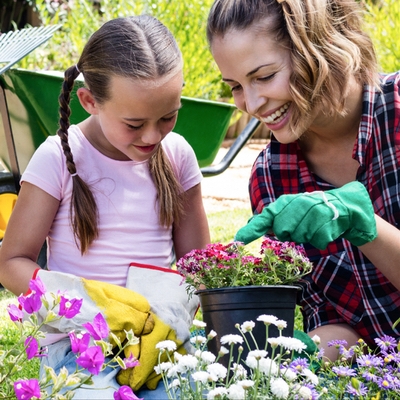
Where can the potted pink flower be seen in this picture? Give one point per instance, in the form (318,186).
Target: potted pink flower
(235,286)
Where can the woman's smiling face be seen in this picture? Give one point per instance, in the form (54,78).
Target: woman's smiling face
(257,68)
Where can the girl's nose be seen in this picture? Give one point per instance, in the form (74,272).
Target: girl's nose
(152,135)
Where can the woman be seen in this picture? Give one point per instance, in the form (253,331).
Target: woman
(309,72)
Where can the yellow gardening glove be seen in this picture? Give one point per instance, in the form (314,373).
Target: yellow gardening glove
(122,308)
(173,313)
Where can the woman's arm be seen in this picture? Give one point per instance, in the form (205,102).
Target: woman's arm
(384,251)
(192,232)
(26,232)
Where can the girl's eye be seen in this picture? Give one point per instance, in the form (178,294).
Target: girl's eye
(168,119)
(133,127)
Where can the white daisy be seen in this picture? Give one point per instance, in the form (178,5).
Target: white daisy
(207,357)
(218,393)
(231,339)
(216,371)
(199,324)
(162,367)
(188,362)
(212,334)
(267,319)
(198,340)
(166,345)
(305,393)
(258,354)
(201,376)
(236,392)
(247,326)
(279,388)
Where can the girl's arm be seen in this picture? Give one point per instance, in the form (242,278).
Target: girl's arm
(192,232)
(26,232)
(384,251)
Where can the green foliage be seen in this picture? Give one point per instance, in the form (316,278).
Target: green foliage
(79,19)
(383,21)
(10,338)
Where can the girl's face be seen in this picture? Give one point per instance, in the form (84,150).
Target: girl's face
(257,69)
(138,115)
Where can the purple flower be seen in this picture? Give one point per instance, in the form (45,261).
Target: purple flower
(299,364)
(125,393)
(30,303)
(131,361)
(14,312)
(69,307)
(337,343)
(369,376)
(79,341)
(344,371)
(37,286)
(32,348)
(369,360)
(99,328)
(386,342)
(356,388)
(92,359)
(26,389)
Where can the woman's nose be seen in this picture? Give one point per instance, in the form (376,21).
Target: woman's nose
(253,101)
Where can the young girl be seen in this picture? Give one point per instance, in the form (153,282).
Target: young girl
(308,71)
(119,187)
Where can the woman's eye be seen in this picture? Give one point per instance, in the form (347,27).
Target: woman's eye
(235,88)
(267,78)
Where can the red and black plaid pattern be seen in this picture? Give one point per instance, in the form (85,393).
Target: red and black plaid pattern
(344,286)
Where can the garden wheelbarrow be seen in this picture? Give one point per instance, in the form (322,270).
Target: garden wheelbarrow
(14,46)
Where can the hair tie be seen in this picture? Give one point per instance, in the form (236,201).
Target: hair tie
(76,66)
(280,1)
(75,174)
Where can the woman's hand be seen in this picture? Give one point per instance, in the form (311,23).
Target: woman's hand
(317,217)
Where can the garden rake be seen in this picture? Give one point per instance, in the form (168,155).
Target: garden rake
(15,45)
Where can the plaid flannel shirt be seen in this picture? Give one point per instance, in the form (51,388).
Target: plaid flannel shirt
(344,286)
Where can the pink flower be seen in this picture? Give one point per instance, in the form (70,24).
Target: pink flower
(92,359)
(32,348)
(69,307)
(37,286)
(79,341)
(30,303)
(131,361)
(125,393)
(99,328)
(14,312)
(26,389)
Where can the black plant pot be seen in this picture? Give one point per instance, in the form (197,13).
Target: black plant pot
(225,307)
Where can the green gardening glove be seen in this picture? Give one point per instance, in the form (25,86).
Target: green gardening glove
(317,218)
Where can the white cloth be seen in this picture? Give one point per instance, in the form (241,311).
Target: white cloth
(126,200)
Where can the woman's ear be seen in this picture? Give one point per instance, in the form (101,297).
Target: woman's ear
(87,100)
